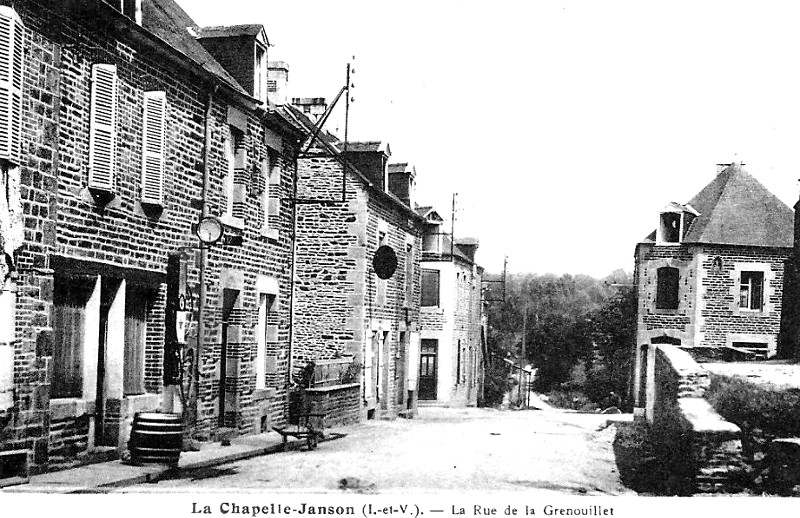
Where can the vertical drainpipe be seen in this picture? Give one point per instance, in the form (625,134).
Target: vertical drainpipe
(292,272)
(201,303)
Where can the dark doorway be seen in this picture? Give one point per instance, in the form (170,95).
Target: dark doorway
(108,291)
(400,369)
(642,399)
(228,302)
(427,369)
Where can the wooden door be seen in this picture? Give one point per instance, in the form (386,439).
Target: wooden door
(428,369)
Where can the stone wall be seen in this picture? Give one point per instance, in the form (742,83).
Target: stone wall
(708,321)
(711,447)
(341,404)
(67,226)
(341,304)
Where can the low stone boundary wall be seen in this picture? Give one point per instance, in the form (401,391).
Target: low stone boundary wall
(341,404)
(711,447)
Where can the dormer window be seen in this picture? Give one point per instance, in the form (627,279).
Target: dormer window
(674,222)
(130,8)
(670,227)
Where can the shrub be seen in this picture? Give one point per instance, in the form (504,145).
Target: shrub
(495,383)
(772,409)
(571,399)
(651,464)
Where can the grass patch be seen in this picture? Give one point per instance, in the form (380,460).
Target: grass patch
(774,410)
(649,464)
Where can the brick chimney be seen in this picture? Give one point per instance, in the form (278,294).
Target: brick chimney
(277,82)
(371,158)
(402,178)
(313,107)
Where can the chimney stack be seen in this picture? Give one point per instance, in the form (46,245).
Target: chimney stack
(313,107)
(277,82)
(371,158)
(402,177)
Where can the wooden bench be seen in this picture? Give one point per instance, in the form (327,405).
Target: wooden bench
(310,426)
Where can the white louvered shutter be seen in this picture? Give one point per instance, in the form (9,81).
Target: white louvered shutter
(155,108)
(102,134)
(274,202)
(11,49)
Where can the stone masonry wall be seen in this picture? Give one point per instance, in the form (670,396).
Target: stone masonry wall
(466,332)
(721,320)
(709,448)
(63,219)
(341,404)
(340,300)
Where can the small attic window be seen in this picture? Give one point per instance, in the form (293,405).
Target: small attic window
(670,227)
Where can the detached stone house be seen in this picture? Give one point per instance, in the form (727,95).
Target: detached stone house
(710,279)
(360,329)
(452,350)
(119,132)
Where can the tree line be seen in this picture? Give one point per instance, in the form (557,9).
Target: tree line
(579,333)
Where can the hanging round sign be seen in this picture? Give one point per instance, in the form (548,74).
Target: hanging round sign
(384,262)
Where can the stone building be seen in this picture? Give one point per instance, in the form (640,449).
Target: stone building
(710,279)
(452,348)
(355,333)
(119,131)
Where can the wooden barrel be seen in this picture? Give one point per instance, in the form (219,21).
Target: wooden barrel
(156,438)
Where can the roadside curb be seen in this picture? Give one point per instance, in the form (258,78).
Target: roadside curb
(153,473)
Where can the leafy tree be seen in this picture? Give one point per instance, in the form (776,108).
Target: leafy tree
(614,335)
(572,321)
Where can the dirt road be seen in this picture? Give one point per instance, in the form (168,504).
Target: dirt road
(443,450)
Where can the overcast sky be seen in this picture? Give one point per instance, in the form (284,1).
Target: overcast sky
(564,127)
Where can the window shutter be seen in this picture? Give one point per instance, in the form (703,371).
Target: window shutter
(11,53)
(275,169)
(101,127)
(155,108)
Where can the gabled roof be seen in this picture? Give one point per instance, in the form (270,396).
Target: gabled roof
(677,208)
(371,146)
(430,214)
(735,209)
(166,20)
(402,167)
(225,31)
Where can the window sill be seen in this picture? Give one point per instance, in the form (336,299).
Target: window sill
(270,233)
(667,312)
(230,221)
(332,388)
(65,408)
(264,393)
(747,311)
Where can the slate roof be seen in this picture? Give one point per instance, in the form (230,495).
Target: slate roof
(457,252)
(166,20)
(332,145)
(736,209)
(423,211)
(225,31)
(371,146)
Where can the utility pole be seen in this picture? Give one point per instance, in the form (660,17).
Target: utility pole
(453,226)
(522,358)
